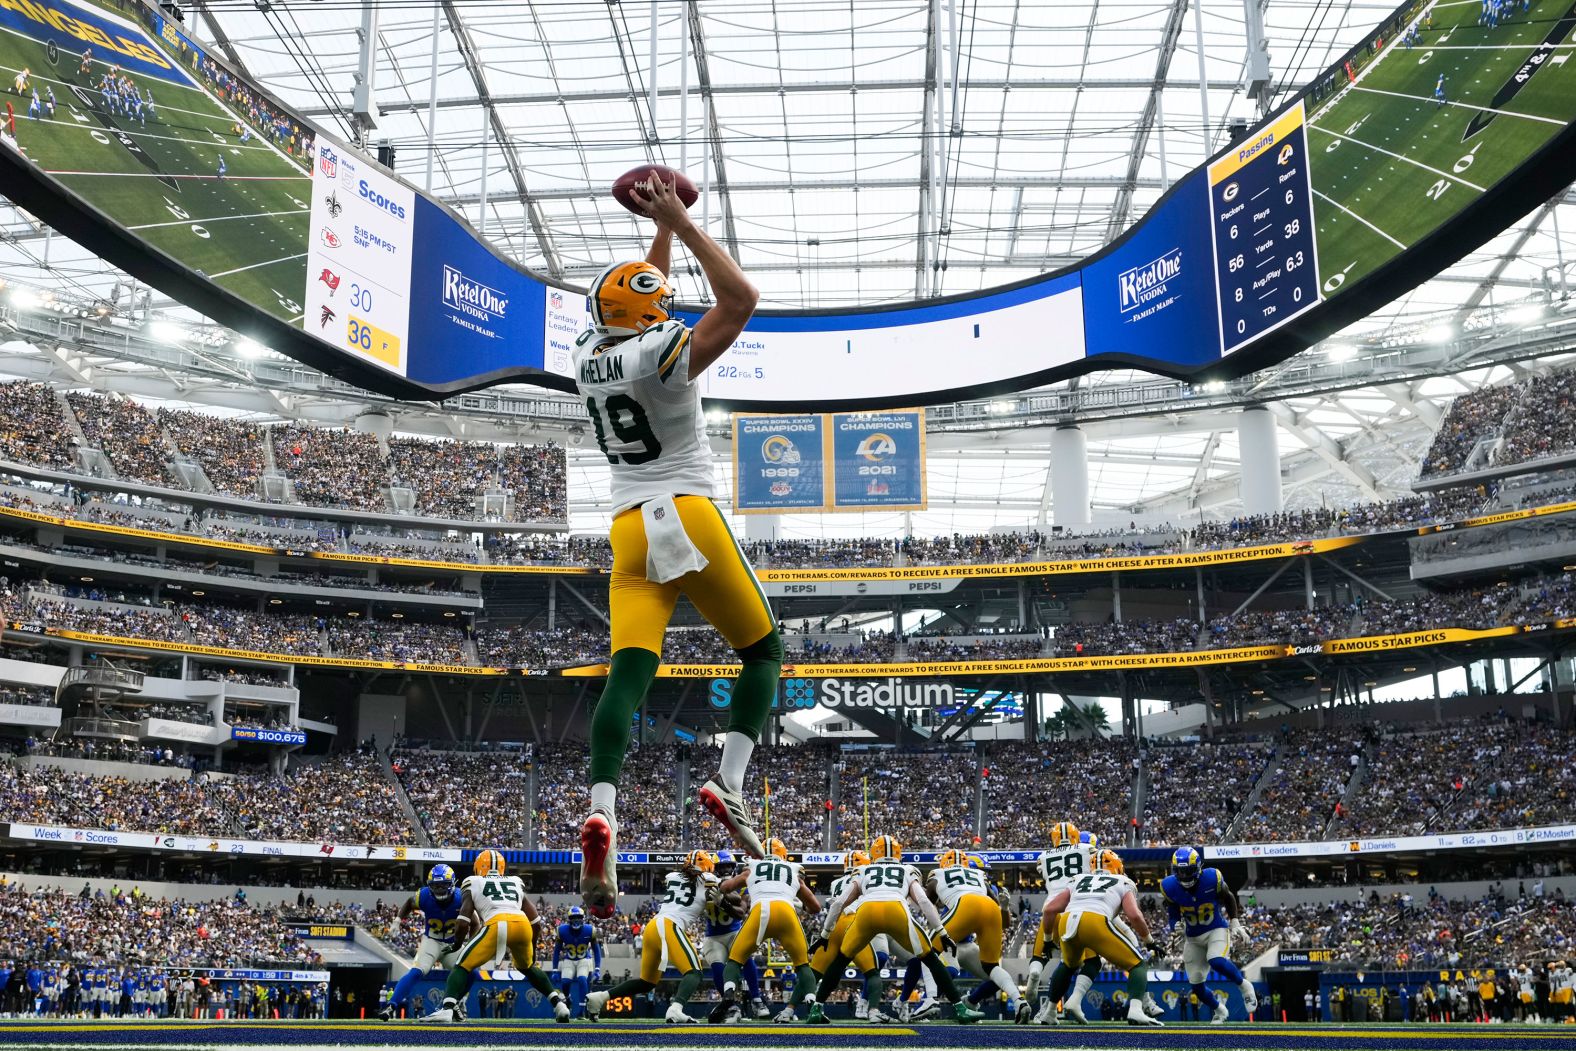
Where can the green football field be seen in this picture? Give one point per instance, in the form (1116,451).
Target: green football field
(247,231)
(1389,163)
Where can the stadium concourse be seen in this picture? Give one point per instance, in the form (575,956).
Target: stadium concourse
(1136,601)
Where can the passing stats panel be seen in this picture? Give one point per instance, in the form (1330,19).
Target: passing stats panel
(1436,130)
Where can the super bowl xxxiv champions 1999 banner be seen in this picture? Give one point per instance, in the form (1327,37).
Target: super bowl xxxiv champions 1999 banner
(855,461)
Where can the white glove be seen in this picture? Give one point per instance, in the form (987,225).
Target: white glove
(1239,932)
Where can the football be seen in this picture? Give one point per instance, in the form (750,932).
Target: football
(624,187)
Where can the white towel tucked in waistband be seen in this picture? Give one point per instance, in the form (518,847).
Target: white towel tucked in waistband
(670,553)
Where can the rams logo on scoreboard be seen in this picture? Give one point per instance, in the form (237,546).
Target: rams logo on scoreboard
(876,446)
(1285,154)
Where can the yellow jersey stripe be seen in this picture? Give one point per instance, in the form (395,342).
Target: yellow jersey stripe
(665,369)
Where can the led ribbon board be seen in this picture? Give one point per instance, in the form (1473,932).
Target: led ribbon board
(1426,140)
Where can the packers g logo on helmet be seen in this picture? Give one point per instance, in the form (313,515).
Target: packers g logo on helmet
(1064,834)
(489,863)
(1107,862)
(886,848)
(700,861)
(855,859)
(628,298)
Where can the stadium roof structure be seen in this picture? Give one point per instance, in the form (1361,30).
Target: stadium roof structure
(853,153)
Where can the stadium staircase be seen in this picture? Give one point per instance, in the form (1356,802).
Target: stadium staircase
(187,471)
(90,458)
(1265,778)
(1354,787)
(386,765)
(1140,794)
(834,792)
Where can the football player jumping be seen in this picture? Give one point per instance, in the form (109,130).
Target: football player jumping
(1211,919)
(636,368)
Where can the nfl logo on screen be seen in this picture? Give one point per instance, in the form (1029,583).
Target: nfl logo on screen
(328,163)
(557,300)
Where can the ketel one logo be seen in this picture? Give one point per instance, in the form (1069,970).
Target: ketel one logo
(470,296)
(1139,285)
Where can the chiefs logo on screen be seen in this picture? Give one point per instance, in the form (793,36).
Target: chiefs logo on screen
(330,238)
(876,447)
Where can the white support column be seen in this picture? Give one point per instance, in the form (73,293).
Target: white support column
(1260,477)
(1070,477)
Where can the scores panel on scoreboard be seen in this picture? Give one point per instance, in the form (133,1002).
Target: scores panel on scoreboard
(1261,218)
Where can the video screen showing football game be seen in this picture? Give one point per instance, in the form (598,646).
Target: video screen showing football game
(118,105)
(1442,102)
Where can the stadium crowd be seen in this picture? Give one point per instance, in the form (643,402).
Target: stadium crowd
(1028,791)
(127,433)
(1300,797)
(1192,792)
(1474,416)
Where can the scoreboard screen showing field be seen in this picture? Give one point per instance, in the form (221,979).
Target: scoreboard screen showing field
(1434,133)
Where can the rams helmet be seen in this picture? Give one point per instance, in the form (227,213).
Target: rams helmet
(886,848)
(577,916)
(978,861)
(489,863)
(628,298)
(855,859)
(441,881)
(726,864)
(1107,862)
(776,848)
(1064,834)
(1089,839)
(1186,866)
(700,861)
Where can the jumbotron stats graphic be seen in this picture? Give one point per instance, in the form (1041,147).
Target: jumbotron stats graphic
(1426,140)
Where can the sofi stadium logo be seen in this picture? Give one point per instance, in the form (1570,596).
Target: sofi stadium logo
(1139,285)
(797,693)
(472,297)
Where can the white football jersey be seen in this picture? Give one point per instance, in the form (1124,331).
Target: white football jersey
(954,884)
(886,881)
(646,413)
(684,899)
(1060,867)
(773,879)
(496,897)
(1100,892)
(838,887)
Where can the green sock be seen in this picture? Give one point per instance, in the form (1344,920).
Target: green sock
(540,982)
(756,687)
(1061,978)
(875,989)
(458,985)
(628,679)
(687,986)
(803,986)
(1138,982)
(938,970)
(630,987)
(829,979)
(731,975)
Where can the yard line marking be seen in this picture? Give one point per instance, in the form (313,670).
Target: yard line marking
(220,219)
(1403,157)
(1359,218)
(141,133)
(1463,105)
(211,178)
(254,266)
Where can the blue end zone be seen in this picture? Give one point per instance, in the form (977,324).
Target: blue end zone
(77,27)
(146,1034)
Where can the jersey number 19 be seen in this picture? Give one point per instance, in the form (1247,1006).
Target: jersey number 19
(631,427)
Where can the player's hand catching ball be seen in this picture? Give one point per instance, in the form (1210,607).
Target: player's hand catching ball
(658,200)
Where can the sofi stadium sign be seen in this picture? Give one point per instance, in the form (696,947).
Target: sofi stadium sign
(800,693)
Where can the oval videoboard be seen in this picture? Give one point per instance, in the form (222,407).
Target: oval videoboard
(1426,140)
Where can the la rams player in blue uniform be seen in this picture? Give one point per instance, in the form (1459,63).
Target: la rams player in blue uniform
(724,919)
(445,932)
(577,958)
(1211,917)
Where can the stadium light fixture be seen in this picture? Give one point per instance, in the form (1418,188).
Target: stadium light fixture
(1001,407)
(24,298)
(1339,352)
(1440,333)
(248,349)
(165,332)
